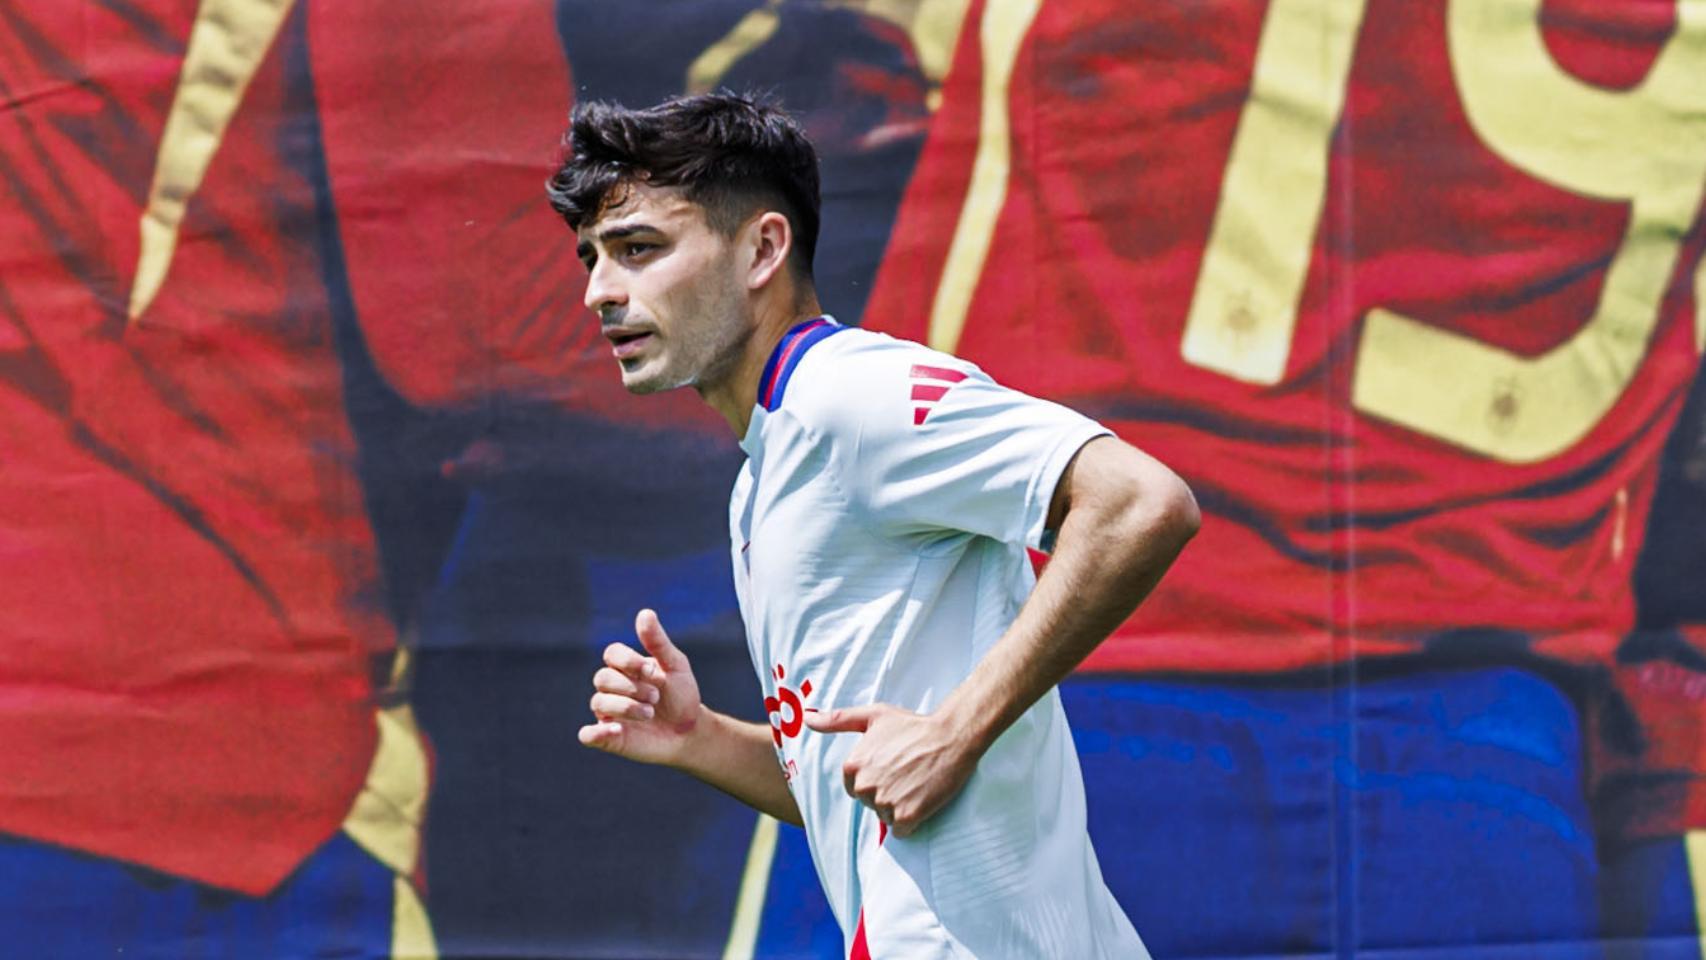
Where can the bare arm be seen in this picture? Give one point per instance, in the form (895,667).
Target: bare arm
(1122,518)
(647,708)
(739,760)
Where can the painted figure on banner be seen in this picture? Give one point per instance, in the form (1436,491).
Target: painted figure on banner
(243,259)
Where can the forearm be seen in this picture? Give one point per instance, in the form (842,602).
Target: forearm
(739,758)
(1114,544)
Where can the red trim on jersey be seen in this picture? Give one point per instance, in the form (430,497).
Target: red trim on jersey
(860,951)
(918,415)
(798,336)
(920,372)
(925,391)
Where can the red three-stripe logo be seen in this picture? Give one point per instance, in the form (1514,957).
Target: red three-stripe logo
(929,384)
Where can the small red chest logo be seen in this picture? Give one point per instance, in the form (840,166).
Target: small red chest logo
(787,709)
(930,384)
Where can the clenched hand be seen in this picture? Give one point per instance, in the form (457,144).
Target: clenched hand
(906,766)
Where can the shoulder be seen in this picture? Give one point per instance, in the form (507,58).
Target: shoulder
(860,382)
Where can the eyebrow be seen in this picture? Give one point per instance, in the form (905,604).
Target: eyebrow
(626,230)
(584,248)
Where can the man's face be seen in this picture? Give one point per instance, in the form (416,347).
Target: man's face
(667,289)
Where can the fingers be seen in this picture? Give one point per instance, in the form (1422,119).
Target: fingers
(604,735)
(844,720)
(657,642)
(665,657)
(874,774)
(611,706)
(623,658)
(900,819)
(609,680)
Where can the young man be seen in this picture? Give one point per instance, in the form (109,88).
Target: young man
(879,528)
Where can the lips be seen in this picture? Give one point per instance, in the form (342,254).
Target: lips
(628,343)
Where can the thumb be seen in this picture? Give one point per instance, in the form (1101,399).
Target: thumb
(844,720)
(657,642)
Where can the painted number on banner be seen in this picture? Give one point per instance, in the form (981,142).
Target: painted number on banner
(1645,147)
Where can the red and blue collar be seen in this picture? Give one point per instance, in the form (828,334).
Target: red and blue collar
(793,346)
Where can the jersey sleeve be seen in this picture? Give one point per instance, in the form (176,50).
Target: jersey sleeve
(929,442)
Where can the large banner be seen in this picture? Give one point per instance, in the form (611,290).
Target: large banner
(321,495)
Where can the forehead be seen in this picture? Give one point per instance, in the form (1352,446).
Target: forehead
(636,204)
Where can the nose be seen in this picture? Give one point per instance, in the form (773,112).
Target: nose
(603,287)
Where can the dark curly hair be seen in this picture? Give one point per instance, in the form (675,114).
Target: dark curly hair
(731,155)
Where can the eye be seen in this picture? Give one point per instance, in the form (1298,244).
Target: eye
(638,249)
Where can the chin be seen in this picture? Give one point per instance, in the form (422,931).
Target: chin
(643,387)
(643,381)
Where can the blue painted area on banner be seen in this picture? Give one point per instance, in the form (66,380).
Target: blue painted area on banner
(59,905)
(1256,821)
(511,578)
(1439,813)
(797,923)
(690,592)
(508,580)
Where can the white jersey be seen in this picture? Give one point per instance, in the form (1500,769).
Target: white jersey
(879,530)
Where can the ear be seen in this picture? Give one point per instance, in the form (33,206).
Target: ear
(770,240)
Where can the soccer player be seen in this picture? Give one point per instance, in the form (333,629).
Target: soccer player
(879,531)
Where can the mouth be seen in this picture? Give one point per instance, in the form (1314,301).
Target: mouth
(627,343)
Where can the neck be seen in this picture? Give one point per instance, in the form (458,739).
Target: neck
(734,396)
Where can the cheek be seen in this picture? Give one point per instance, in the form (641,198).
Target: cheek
(677,304)
(660,293)
(709,297)
(690,295)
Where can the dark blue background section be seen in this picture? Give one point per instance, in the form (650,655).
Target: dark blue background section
(538,845)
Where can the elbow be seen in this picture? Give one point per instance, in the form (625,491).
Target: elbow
(1134,499)
(1160,511)
(1176,518)
(1187,515)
